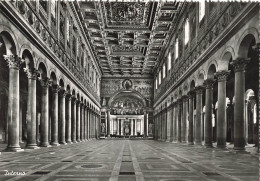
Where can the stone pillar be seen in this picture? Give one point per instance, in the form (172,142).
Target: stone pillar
(68,119)
(171,114)
(145,124)
(198,127)
(74,119)
(179,118)
(175,118)
(86,123)
(122,127)
(82,125)
(31,109)
(221,113)
(108,123)
(239,117)
(191,102)
(45,83)
(132,127)
(184,131)
(14,64)
(78,122)
(62,127)
(208,112)
(54,115)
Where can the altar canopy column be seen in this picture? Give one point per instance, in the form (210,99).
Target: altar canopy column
(184,132)
(14,63)
(145,124)
(45,83)
(208,111)
(198,123)
(108,123)
(239,66)
(32,75)
(191,102)
(221,113)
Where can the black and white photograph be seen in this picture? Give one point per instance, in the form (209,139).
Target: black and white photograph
(129,90)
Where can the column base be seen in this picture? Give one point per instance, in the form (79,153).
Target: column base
(45,145)
(190,143)
(69,141)
(208,145)
(63,143)
(239,148)
(55,144)
(78,141)
(222,146)
(32,146)
(13,149)
(74,141)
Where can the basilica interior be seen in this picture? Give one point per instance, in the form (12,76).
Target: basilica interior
(129,90)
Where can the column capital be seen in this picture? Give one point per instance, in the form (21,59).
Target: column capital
(55,88)
(179,101)
(185,98)
(74,99)
(69,96)
(45,82)
(32,73)
(191,94)
(239,65)
(63,93)
(222,75)
(199,89)
(13,61)
(208,83)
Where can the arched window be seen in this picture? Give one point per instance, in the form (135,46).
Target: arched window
(164,70)
(169,61)
(201,10)
(176,48)
(187,31)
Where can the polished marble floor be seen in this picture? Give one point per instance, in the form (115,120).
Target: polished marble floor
(127,160)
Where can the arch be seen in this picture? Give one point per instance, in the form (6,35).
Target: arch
(68,89)
(42,63)
(28,58)
(225,57)
(53,78)
(211,70)
(192,84)
(10,41)
(249,93)
(73,92)
(43,70)
(245,40)
(201,78)
(61,83)
(127,92)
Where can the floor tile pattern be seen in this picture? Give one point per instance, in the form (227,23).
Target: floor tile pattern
(127,160)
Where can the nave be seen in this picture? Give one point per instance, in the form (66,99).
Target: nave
(129,160)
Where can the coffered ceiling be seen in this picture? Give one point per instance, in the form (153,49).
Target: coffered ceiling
(128,37)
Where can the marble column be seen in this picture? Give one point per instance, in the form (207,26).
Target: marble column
(175,129)
(86,122)
(239,66)
(108,123)
(31,108)
(179,120)
(82,122)
(45,83)
(78,122)
(62,127)
(221,113)
(68,119)
(54,115)
(171,114)
(184,131)
(198,123)
(74,120)
(191,103)
(14,64)
(132,127)
(88,126)
(145,124)
(208,112)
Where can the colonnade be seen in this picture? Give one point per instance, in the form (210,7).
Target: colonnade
(71,120)
(181,124)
